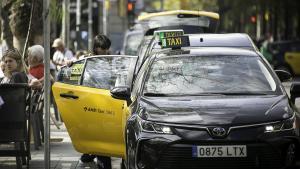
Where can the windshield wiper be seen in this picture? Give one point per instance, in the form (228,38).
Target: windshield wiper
(202,94)
(180,94)
(243,93)
(156,94)
(205,94)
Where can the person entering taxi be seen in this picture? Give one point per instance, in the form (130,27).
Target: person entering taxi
(101,47)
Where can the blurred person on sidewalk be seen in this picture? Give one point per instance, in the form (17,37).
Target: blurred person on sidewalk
(265,48)
(14,72)
(62,55)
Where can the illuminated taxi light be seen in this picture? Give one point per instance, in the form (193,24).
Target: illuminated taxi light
(269,128)
(175,42)
(168,33)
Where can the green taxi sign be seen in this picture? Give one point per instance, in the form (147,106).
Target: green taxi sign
(168,33)
(175,42)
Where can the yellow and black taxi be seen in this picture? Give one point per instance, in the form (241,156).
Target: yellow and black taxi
(190,21)
(209,107)
(190,107)
(286,56)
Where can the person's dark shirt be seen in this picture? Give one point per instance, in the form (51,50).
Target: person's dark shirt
(19,77)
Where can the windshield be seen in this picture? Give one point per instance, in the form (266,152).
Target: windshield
(196,75)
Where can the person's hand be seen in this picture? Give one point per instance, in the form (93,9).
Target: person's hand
(35,84)
(69,63)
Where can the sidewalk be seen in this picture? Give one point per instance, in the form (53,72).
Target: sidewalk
(63,155)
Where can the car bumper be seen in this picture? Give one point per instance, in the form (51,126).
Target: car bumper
(173,152)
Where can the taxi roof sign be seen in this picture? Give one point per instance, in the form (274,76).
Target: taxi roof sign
(175,42)
(168,33)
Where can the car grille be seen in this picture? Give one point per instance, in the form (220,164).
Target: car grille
(179,156)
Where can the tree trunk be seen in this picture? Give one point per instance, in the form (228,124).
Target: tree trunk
(6,31)
(15,18)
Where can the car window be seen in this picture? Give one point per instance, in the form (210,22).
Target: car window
(295,47)
(108,71)
(209,74)
(72,74)
(175,20)
(132,43)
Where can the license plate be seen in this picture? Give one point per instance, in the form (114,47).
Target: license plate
(219,151)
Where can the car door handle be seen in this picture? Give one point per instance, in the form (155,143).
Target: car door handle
(68,95)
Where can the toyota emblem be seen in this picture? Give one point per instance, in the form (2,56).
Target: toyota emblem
(219,132)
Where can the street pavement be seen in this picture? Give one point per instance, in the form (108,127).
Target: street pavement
(63,154)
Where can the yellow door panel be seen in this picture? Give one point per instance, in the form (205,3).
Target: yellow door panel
(293,59)
(94,120)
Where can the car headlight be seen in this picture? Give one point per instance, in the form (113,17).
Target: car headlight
(281,126)
(152,127)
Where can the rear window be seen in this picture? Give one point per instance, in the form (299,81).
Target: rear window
(174,20)
(72,74)
(132,43)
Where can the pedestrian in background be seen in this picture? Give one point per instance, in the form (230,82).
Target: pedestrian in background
(62,55)
(14,72)
(2,70)
(265,48)
(36,66)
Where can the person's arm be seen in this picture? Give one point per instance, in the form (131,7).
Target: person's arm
(41,80)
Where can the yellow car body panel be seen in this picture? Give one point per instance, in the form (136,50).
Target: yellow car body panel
(176,12)
(293,59)
(95,121)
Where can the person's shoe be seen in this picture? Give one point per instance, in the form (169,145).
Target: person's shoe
(86,158)
(104,162)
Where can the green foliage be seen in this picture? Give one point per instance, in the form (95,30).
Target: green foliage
(56,12)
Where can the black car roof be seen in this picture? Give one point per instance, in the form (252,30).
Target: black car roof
(221,40)
(207,51)
(237,40)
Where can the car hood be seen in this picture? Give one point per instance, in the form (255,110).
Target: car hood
(215,110)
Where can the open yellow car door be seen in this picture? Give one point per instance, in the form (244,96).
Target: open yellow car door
(95,121)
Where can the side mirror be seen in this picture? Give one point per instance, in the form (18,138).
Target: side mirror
(283,75)
(121,92)
(295,91)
